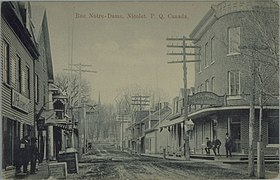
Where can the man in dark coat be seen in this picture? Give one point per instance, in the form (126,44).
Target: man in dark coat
(25,146)
(228,145)
(33,155)
(216,145)
(18,156)
(208,146)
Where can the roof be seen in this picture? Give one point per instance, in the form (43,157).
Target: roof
(37,16)
(40,23)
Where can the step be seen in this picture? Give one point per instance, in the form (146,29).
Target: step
(246,161)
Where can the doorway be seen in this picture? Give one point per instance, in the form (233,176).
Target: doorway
(235,133)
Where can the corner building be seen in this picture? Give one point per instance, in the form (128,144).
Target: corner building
(223,77)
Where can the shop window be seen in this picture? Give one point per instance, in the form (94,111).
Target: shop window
(8,142)
(273,131)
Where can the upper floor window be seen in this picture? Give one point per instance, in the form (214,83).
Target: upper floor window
(207,85)
(234,82)
(19,75)
(6,62)
(199,62)
(28,81)
(36,88)
(233,40)
(212,51)
(205,55)
(213,84)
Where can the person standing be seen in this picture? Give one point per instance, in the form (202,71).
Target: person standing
(228,145)
(18,156)
(208,146)
(216,145)
(25,153)
(34,155)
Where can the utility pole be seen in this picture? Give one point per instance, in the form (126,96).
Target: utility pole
(184,61)
(140,101)
(80,69)
(122,118)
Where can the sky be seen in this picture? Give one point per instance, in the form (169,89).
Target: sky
(124,51)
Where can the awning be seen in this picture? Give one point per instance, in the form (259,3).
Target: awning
(174,121)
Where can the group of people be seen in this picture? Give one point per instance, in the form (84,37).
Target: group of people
(26,152)
(216,144)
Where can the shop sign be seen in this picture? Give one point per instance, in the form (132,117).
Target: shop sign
(71,158)
(58,170)
(20,102)
(206,98)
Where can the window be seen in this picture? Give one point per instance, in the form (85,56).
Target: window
(28,81)
(234,82)
(36,94)
(207,85)
(212,50)
(273,130)
(19,74)
(233,40)
(205,55)
(45,94)
(6,63)
(213,84)
(199,64)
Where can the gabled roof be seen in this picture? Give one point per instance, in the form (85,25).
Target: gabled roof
(39,20)
(37,17)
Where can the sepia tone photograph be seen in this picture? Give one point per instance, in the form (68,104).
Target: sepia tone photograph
(148,90)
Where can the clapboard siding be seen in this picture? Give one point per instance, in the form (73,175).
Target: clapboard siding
(16,49)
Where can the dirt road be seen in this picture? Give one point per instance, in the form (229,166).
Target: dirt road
(105,162)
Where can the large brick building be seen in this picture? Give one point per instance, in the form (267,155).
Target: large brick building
(230,36)
(225,35)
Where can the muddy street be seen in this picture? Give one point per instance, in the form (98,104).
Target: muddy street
(106,162)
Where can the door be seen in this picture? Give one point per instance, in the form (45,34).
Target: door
(235,133)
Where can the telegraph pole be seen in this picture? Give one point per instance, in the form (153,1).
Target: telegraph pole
(184,61)
(123,118)
(80,69)
(140,101)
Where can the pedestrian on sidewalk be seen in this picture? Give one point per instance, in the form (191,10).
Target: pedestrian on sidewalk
(25,148)
(34,155)
(18,156)
(228,145)
(216,145)
(208,146)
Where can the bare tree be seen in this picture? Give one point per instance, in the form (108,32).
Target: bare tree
(70,85)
